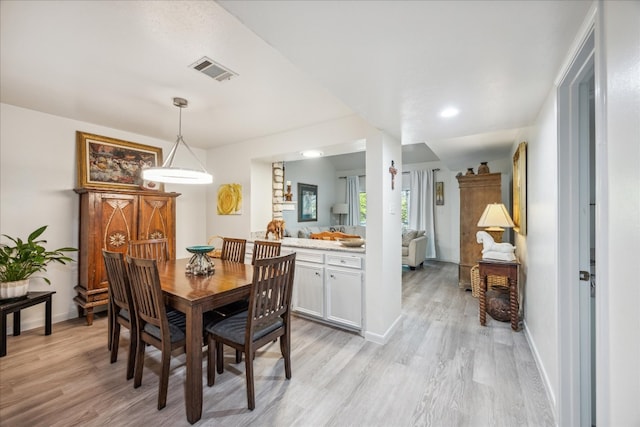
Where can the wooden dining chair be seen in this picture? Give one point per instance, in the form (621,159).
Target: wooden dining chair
(268,318)
(157,249)
(120,308)
(233,249)
(265,249)
(155,326)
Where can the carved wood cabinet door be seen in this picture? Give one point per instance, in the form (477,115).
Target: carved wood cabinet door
(109,219)
(157,220)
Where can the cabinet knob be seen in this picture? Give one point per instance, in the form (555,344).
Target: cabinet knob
(317,273)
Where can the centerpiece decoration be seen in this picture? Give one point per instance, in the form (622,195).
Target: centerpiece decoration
(200,263)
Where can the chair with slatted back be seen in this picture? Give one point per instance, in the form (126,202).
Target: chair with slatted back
(157,249)
(268,318)
(233,249)
(265,249)
(121,309)
(155,326)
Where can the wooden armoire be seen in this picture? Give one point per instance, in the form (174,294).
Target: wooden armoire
(476,192)
(108,220)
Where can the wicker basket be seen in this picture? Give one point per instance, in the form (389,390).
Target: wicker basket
(492,281)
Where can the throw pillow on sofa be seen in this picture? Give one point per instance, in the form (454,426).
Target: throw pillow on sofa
(408,235)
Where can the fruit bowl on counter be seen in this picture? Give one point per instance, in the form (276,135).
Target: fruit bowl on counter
(352,243)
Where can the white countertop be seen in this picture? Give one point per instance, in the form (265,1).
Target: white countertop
(318,244)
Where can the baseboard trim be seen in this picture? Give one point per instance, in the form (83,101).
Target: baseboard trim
(543,373)
(384,338)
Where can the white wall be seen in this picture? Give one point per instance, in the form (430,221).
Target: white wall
(37,176)
(617,256)
(537,250)
(383,292)
(618,224)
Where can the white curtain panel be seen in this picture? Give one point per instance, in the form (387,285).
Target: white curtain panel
(421,207)
(353,200)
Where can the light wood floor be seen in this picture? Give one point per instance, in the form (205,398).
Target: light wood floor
(439,369)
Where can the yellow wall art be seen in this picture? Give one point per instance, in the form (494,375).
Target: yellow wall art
(230,199)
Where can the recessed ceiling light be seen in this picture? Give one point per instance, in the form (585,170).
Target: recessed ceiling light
(312,153)
(449,112)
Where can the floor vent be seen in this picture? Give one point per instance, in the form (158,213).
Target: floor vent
(212,69)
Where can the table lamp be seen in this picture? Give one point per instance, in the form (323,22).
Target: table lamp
(494,218)
(340,209)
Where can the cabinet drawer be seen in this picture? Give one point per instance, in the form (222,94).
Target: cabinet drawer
(308,256)
(345,261)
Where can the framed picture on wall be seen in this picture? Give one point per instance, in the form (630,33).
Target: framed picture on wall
(439,193)
(105,162)
(520,189)
(307,202)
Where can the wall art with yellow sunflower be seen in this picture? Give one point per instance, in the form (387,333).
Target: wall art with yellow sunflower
(230,199)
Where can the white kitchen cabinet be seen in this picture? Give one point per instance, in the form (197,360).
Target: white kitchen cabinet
(328,286)
(344,296)
(308,289)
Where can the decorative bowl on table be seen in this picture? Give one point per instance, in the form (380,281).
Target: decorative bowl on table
(200,263)
(200,249)
(352,243)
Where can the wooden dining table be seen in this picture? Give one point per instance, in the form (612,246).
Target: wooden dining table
(194,295)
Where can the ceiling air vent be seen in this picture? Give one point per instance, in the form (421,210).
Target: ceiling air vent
(213,69)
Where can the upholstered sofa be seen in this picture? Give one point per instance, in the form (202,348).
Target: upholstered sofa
(414,248)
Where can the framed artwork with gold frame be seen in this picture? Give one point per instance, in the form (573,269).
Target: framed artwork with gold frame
(105,162)
(520,189)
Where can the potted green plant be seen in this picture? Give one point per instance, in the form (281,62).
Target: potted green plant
(20,260)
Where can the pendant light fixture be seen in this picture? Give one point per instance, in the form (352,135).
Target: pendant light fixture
(175,175)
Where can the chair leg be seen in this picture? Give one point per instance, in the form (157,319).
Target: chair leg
(131,360)
(251,397)
(211,361)
(285,347)
(220,357)
(109,326)
(115,341)
(140,348)
(164,377)
(238,356)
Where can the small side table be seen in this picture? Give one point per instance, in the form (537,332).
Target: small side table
(499,268)
(14,306)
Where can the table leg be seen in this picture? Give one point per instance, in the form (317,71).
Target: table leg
(483,301)
(16,323)
(47,320)
(3,334)
(193,383)
(513,303)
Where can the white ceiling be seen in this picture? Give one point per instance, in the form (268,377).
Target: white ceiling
(396,63)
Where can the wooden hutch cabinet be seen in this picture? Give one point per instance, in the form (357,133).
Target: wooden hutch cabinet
(108,220)
(476,192)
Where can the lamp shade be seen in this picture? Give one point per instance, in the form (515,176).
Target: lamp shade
(495,215)
(340,208)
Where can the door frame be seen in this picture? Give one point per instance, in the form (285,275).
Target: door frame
(587,51)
